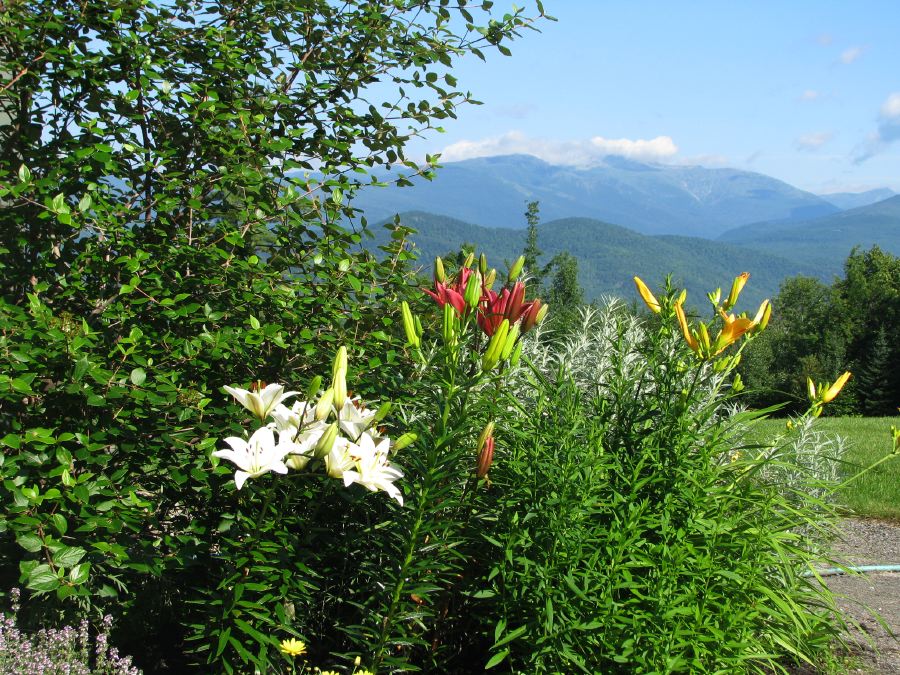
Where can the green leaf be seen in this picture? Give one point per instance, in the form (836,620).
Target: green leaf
(24,174)
(79,573)
(138,377)
(42,579)
(254,323)
(496,659)
(68,556)
(30,542)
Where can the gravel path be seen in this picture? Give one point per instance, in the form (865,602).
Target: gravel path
(870,542)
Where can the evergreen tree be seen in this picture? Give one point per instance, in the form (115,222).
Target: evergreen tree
(875,375)
(532,252)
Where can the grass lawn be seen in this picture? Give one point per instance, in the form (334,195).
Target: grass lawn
(867,439)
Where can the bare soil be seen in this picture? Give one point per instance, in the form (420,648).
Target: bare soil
(870,602)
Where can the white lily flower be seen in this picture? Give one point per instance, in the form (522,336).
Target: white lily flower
(295,418)
(300,448)
(263,402)
(355,418)
(372,469)
(254,457)
(340,459)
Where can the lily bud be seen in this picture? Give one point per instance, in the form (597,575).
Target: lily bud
(326,441)
(339,377)
(682,297)
(381,413)
(485,458)
(715,297)
(541,314)
(495,347)
(439,275)
(409,325)
(761,320)
(529,318)
(516,300)
(314,385)
(469,259)
(516,269)
(472,295)
(490,278)
(449,325)
(810,389)
(406,439)
(736,288)
(647,296)
(835,388)
(323,407)
(511,340)
(486,433)
(419,329)
(296,462)
(482,264)
(516,355)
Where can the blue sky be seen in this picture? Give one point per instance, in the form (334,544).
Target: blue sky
(807,92)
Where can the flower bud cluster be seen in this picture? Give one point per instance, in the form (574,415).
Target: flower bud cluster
(699,337)
(330,430)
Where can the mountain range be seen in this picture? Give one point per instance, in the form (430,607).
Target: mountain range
(648,198)
(625,218)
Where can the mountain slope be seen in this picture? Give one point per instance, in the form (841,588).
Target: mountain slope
(649,198)
(826,242)
(609,255)
(853,200)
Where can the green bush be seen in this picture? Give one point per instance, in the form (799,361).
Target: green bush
(636,530)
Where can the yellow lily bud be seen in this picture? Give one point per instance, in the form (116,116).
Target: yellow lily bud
(810,388)
(439,275)
(647,296)
(482,264)
(541,315)
(736,287)
(516,269)
(339,377)
(323,407)
(703,340)
(469,259)
(835,388)
(685,329)
(682,297)
(419,329)
(762,316)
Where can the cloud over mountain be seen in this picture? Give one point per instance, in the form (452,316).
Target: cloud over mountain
(888,129)
(565,153)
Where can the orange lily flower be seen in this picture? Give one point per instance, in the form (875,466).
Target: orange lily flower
(685,329)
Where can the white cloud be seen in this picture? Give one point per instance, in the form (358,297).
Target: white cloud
(811,142)
(825,39)
(572,153)
(850,55)
(890,109)
(888,130)
(809,95)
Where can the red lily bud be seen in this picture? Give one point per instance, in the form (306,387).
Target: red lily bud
(516,300)
(485,458)
(529,316)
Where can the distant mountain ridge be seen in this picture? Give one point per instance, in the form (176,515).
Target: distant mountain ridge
(609,255)
(648,198)
(826,241)
(853,200)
